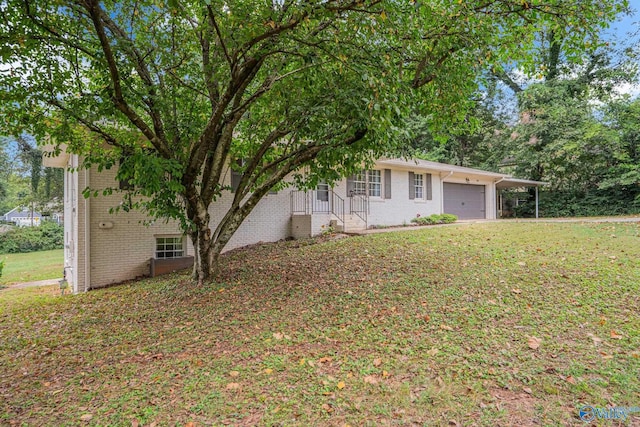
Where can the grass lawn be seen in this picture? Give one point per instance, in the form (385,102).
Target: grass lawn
(495,324)
(32,266)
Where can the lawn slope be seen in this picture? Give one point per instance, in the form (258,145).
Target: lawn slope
(485,324)
(32,266)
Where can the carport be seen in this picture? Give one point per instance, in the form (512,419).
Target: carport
(505,183)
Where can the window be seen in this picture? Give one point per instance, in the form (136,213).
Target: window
(322,191)
(360,183)
(365,183)
(418,185)
(375,183)
(169,247)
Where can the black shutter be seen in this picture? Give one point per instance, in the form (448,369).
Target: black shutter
(235,180)
(236,177)
(429,191)
(350,186)
(387,183)
(412,186)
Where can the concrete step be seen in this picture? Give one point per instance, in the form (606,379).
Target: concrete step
(352,223)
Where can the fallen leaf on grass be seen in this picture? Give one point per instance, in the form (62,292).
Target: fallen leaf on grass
(446,328)
(594,338)
(86,417)
(527,390)
(534,343)
(325,359)
(278,335)
(516,291)
(233,386)
(571,380)
(616,336)
(327,407)
(605,355)
(432,352)
(234,373)
(370,379)
(340,385)
(377,362)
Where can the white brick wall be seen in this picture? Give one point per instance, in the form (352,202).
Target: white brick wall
(122,250)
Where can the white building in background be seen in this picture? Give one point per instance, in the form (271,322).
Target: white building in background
(23,217)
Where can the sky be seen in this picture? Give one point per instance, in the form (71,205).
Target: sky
(625,32)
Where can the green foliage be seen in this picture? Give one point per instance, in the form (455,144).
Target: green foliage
(435,219)
(48,235)
(309,89)
(1,267)
(595,202)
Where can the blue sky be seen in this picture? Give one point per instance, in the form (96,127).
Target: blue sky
(625,32)
(625,27)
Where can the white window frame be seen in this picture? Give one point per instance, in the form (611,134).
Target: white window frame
(360,183)
(418,186)
(322,191)
(374,183)
(170,246)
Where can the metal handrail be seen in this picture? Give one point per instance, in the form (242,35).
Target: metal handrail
(323,201)
(299,202)
(360,206)
(337,206)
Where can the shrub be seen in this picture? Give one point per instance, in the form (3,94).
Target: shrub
(595,202)
(435,219)
(446,218)
(1,266)
(48,235)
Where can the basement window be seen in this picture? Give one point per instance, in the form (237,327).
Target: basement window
(169,247)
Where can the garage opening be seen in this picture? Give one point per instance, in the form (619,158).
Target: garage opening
(466,201)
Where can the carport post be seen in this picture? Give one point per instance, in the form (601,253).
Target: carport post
(536,201)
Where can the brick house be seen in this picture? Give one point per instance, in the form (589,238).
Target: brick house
(103,248)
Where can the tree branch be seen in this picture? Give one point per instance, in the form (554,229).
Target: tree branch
(93,7)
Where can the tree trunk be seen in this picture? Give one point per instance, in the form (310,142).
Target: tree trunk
(198,213)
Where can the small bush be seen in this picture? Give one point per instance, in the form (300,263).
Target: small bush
(448,218)
(435,219)
(1,267)
(47,236)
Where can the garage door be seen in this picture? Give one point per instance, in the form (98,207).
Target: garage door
(464,200)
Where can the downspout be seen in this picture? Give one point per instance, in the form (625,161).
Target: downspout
(536,201)
(442,190)
(87,234)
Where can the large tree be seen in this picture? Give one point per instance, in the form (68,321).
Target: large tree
(176,90)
